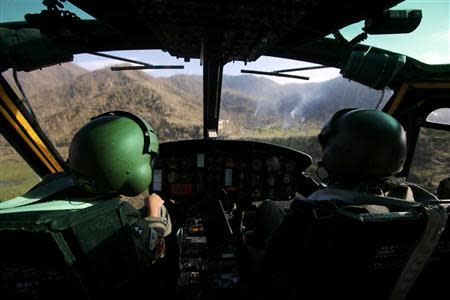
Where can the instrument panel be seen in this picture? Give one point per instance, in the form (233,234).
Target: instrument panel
(245,171)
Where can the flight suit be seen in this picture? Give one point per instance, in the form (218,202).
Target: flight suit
(148,232)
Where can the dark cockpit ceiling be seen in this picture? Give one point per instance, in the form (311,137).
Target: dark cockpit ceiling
(237,30)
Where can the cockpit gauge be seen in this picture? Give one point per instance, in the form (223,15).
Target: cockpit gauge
(210,179)
(228,177)
(271,180)
(210,161)
(273,164)
(229,163)
(200,160)
(256,194)
(186,177)
(290,166)
(256,180)
(243,164)
(172,177)
(172,162)
(257,164)
(186,163)
(287,178)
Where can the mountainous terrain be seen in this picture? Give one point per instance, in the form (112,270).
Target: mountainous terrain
(65,97)
(39,81)
(65,109)
(256,101)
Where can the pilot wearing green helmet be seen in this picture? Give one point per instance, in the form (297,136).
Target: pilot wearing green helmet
(115,154)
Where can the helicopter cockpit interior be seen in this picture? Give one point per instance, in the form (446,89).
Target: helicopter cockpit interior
(60,241)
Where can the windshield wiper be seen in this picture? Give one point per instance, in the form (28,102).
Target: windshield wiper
(142,65)
(279,73)
(274,74)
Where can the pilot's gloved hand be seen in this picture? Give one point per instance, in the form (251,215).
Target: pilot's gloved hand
(158,215)
(154,204)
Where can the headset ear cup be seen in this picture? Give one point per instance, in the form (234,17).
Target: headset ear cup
(139,180)
(319,172)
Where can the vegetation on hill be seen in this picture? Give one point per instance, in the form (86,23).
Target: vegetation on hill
(66,97)
(71,105)
(431,162)
(40,81)
(16,177)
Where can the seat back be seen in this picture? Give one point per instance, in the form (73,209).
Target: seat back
(431,284)
(330,248)
(68,254)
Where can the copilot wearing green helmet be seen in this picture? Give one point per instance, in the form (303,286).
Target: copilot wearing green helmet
(362,151)
(114,154)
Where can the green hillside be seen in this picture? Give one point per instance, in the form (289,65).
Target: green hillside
(431,162)
(252,108)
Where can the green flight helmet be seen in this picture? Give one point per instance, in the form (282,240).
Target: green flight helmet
(114,154)
(362,145)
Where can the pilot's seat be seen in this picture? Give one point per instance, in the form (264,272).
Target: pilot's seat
(333,249)
(431,284)
(60,242)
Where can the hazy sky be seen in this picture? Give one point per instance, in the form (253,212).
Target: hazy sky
(429,43)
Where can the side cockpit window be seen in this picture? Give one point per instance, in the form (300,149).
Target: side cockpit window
(431,161)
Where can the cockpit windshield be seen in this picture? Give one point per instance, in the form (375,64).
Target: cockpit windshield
(287,112)
(280,110)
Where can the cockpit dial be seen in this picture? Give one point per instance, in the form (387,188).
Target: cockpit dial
(257,164)
(247,171)
(273,164)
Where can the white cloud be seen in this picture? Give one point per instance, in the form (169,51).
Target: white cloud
(314,76)
(434,58)
(92,65)
(317,75)
(268,64)
(443,35)
(92,62)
